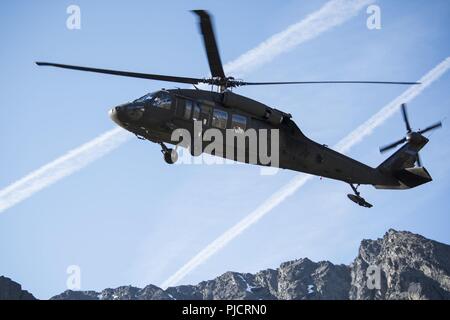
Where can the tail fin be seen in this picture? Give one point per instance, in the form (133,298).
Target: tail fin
(401,166)
(400,170)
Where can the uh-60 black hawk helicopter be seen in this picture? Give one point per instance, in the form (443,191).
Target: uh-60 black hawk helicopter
(156,115)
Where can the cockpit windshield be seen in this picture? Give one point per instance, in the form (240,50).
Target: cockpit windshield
(159,99)
(145,98)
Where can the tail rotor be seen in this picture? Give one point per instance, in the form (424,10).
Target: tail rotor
(411,136)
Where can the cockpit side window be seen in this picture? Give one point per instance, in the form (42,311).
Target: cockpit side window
(163,100)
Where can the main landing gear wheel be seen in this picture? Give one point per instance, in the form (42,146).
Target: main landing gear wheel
(170,155)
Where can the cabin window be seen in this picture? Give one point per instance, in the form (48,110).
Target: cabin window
(238,123)
(196,112)
(187,110)
(163,100)
(205,115)
(220,119)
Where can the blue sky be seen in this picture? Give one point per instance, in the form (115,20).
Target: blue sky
(131,219)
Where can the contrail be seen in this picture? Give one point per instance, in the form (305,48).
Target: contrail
(290,188)
(65,165)
(333,13)
(376,120)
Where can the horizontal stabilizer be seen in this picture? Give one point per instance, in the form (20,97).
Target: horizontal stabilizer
(413,177)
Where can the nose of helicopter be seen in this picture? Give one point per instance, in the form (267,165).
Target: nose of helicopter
(114,115)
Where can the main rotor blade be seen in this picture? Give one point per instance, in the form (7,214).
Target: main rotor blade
(432,127)
(209,41)
(243,83)
(126,73)
(392,145)
(405,118)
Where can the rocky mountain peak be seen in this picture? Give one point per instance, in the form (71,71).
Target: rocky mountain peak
(10,290)
(410,267)
(400,265)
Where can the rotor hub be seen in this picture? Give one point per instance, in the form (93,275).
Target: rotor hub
(414,137)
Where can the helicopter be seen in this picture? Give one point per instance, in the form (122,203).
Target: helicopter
(156,115)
